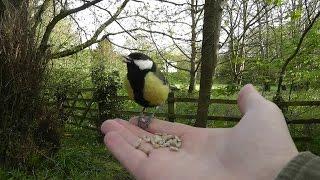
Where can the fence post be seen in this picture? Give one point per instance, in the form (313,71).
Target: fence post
(171,110)
(102,99)
(61,99)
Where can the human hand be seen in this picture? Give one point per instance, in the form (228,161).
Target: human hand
(258,147)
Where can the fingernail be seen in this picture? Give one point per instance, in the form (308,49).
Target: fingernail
(104,126)
(119,120)
(249,86)
(116,123)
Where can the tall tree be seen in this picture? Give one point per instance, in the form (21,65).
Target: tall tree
(25,50)
(209,56)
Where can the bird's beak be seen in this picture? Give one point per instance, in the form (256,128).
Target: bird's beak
(126,59)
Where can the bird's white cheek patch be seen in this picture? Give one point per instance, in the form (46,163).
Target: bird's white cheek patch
(144,64)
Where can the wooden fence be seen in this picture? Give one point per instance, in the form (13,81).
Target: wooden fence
(89,109)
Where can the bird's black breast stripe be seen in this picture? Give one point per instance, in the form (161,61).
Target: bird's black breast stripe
(136,80)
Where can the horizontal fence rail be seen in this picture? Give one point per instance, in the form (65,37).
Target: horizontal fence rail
(80,106)
(171,115)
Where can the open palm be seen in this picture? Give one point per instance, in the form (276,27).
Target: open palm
(256,148)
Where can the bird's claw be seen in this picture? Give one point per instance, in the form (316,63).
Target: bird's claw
(144,121)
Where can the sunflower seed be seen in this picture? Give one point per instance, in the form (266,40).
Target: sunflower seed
(167,137)
(156,146)
(161,140)
(157,138)
(137,143)
(145,150)
(174,142)
(178,145)
(173,148)
(146,139)
(152,141)
(177,138)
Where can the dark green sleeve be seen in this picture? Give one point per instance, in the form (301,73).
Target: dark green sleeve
(304,166)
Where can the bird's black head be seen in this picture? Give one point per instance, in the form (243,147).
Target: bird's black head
(139,61)
(138,56)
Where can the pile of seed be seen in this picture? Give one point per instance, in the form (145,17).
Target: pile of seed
(160,140)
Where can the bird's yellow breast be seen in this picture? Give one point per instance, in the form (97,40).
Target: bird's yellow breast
(154,90)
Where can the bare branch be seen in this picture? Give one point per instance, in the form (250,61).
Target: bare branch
(180,49)
(38,15)
(138,1)
(307,10)
(56,19)
(165,34)
(173,3)
(225,41)
(253,20)
(166,61)
(199,12)
(131,49)
(165,21)
(104,9)
(121,32)
(80,28)
(198,65)
(93,39)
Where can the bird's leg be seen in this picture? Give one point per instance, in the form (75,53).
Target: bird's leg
(149,118)
(152,115)
(142,112)
(142,121)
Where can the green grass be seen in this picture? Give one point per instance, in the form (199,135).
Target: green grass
(82,156)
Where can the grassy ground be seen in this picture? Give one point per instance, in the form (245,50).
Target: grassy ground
(82,156)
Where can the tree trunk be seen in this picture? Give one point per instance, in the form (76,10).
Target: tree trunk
(192,80)
(241,59)
(266,40)
(2,8)
(209,55)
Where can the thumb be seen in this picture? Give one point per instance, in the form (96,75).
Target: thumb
(249,98)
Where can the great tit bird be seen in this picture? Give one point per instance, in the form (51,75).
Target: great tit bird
(145,84)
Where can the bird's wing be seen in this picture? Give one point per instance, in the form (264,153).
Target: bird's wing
(159,74)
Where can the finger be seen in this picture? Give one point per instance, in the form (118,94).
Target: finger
(128,156)
(249,98)
(131,138)
(159,126)
(110,125)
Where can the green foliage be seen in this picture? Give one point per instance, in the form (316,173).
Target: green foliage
(107,82)
(64,36)
(264,69)
(21,77)
(296,14)
(72,72)
(82,156)
(105,94)
(274,2)
(228,90)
